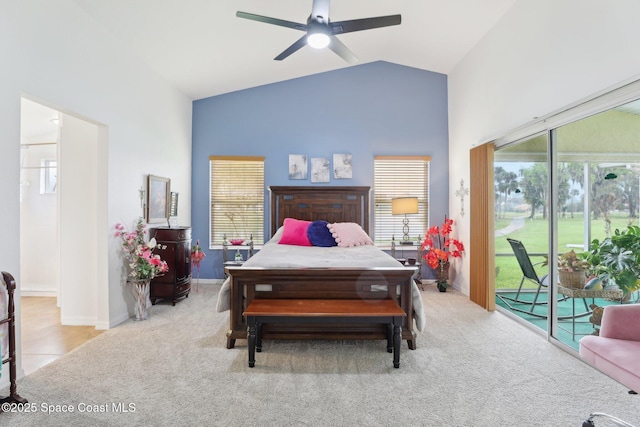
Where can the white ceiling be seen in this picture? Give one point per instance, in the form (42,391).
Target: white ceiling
(202,48)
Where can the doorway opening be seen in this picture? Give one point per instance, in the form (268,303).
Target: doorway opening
(58,153)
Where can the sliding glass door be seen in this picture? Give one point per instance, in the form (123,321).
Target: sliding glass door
(597,187)
(521,175)
(558,195)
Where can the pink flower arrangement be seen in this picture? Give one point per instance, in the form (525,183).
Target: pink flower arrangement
(439,246)
(143,263)
(196,254)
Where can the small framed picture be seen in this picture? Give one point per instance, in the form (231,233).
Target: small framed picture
(158,198)
(320,169)
(342,166)
(173,205)
(298,166)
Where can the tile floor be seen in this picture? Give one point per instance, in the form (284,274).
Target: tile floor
(43,338)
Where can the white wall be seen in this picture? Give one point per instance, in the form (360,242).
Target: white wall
(38,237)
(78,217)
(542,56)
(55,54)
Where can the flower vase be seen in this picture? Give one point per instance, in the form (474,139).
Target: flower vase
(140,289)
(442,276)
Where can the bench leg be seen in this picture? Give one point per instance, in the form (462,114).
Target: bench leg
(397,340)
(259,337)
(251,338)
(389,337)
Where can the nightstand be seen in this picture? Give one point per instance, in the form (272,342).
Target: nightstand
(236,254)
(410,251)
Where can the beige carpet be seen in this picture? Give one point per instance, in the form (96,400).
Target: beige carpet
(471,368)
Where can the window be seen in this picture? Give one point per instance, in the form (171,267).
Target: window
(237,198)
(48,176)
(401,176)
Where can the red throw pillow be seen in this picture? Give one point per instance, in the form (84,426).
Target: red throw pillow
(295,232)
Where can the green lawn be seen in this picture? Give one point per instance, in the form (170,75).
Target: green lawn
(535,235)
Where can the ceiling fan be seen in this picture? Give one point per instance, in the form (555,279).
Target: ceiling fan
(321,32)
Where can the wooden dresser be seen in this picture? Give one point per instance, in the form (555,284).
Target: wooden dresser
(175,249)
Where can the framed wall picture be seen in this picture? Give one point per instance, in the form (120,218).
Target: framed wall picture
(342,166)
(320,169)
(298,167)
(173,205)
(158,198)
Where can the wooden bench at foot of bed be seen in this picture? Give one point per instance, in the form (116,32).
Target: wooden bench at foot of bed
(341,311)
(317,283)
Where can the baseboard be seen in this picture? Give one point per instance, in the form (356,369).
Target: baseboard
(34,292)
(206,281)
(102,326)
(115,322)
(78,321)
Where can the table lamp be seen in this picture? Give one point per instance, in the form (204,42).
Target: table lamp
(404,206)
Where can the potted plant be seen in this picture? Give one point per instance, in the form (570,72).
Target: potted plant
(438,247)
(572,270)
(616,259)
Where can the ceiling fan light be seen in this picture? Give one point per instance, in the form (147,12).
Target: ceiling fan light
(318,40)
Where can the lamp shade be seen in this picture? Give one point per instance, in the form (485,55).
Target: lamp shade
(404,205)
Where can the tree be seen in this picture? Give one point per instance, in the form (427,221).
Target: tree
(564,194)
(576,174)
(605,193)
(506,183)
(498,178)
(629,185)
(534,187)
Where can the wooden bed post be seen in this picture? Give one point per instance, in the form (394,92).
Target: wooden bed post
(13,397)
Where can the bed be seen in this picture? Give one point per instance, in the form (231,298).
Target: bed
(302,272)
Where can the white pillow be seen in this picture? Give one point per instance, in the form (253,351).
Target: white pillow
(349,234)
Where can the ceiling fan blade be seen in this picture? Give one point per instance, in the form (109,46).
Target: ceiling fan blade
(274,21)
(364,24)
(302,41)
(341,50)
(320,11)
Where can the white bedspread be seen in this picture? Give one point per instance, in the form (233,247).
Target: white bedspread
(274,255)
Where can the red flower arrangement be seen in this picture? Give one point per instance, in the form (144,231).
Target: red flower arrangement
(440,247)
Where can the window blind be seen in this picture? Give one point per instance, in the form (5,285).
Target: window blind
(237,198)
(400,176)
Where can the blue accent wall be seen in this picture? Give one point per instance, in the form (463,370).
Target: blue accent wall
(366,110)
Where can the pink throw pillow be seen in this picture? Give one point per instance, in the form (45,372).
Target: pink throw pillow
(295,232)
(349,234)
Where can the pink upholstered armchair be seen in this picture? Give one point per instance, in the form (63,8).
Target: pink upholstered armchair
(616,352)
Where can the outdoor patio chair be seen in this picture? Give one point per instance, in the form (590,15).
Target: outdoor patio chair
(530,275)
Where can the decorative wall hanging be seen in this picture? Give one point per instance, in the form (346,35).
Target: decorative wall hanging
(158,197)
(298,166)
(173,205)
(342,167)
(461,192)
(320,169)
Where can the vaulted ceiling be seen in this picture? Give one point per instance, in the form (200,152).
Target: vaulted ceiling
(203,49)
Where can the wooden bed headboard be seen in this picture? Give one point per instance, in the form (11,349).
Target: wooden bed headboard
(332,204)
